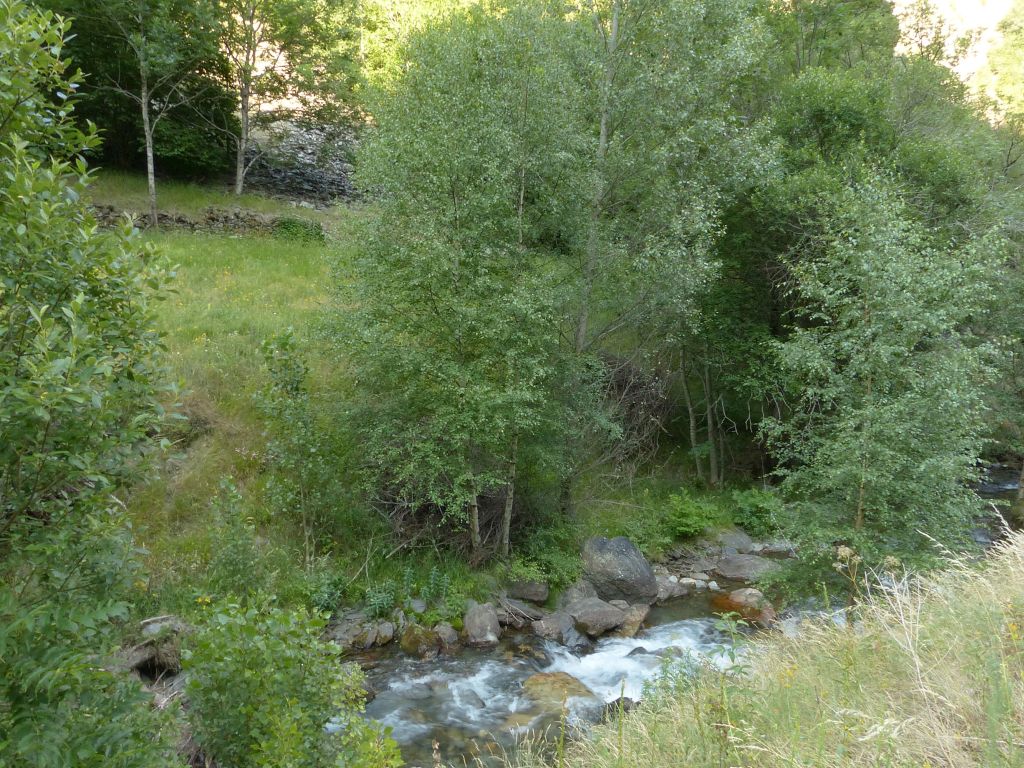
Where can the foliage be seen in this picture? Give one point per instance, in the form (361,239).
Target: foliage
(758,511)
(884,439)
(79,384)
(688,516)
(265,691)
(298,229)
(380,599)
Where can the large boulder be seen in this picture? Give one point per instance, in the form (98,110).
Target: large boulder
(745,567)
(619,571)
(559,627)
(594,616)
(533,591)
(749,603)
(354,631)
(480,626)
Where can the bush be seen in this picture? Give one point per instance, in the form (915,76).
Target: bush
(79,405)
(757,511)
(687,516)
(298,229)
(266,692)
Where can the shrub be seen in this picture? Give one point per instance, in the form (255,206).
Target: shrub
(688,516)
(266,692)
(79,381)
(757,511)
(298,229)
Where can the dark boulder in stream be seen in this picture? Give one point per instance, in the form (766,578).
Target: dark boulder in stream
(619,571)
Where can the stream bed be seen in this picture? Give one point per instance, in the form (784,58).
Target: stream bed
(474,704)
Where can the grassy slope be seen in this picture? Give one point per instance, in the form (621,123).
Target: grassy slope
(928,677)
(232,294)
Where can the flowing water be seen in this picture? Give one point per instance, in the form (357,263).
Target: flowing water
(473,703)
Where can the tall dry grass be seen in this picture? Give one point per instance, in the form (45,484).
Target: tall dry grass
(929,674)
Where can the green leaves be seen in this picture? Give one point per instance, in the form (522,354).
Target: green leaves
(79,403)
(267,692)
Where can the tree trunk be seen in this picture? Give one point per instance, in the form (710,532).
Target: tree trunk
(242,144)
(147,131)
(692,416)
(474,525)
(592,260)
(713,469)
(506,520)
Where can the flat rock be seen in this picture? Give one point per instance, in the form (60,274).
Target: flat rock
(551,689)
(749,603)
(745,567)
(594,616)
(618,570)
(532,591)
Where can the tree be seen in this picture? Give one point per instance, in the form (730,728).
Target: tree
(885,376)
(279,54)
(79,385)
(671,146)
(169,42)
(457,332)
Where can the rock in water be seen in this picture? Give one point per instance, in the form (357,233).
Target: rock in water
(745,567)
(635,617)
(749,603)
(420,641)
(594,616)
(551,689)
(672,587)
(561,628)
(480,625)
(449,637)
(619,571)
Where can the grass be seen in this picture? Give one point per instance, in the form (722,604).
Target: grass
(931,674)
(231,294)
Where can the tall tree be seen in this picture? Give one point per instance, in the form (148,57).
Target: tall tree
(279,55)
(457,328)
(886,376)
(169,42)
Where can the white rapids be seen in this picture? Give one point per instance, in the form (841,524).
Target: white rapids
(468,701)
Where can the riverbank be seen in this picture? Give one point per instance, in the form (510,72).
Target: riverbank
(929,675)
